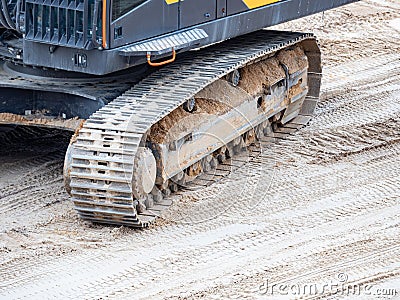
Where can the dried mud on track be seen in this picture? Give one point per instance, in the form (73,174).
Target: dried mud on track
(330,214)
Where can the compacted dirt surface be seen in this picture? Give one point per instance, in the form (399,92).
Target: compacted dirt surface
(315,215)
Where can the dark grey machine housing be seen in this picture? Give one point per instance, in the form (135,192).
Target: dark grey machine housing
(68,58)
(104,36)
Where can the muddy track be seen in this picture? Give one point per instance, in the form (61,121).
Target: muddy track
(292,209)
(320,202)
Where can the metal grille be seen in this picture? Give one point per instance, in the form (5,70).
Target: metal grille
(62,22)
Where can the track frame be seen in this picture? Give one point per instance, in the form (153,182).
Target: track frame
(100,168)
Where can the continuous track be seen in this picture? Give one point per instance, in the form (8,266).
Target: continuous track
(314,221)
(103,156)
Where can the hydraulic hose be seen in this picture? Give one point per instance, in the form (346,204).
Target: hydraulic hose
(3,22)
(6,14)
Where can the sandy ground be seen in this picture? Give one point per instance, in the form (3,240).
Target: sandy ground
(314,216)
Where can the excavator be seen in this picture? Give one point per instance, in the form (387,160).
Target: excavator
(156,92)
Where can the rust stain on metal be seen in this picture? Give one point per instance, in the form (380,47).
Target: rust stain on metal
(75,135)
(40,120)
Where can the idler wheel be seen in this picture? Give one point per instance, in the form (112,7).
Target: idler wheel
(67,169)
(144,173)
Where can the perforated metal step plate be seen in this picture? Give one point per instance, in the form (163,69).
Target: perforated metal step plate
(164,44)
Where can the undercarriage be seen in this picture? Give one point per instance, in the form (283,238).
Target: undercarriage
(187,119)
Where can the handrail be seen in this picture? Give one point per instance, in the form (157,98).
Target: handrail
(103,25)
(153,64)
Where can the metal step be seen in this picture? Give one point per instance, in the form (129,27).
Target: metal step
(163,45)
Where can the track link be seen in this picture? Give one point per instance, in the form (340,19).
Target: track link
(101,159)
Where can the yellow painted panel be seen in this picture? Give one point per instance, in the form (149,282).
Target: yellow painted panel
(250,3)
(258,3)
